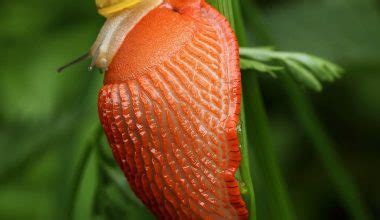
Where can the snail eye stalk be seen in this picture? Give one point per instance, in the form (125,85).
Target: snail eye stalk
(107,8)
(77,60)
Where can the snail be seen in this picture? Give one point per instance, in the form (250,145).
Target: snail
(170,105)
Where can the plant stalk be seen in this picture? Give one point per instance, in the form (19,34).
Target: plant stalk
(226,8)
(78,175)
(254,121)
(257,125)
(307,117)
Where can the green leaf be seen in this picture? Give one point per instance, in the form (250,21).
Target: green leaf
(303,75)
(248,64)
(306,69)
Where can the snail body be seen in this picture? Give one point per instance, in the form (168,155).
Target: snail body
(170,108)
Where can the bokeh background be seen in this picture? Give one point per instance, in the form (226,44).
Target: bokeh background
(48,119)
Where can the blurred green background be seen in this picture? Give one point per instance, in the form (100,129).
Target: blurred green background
(48,119)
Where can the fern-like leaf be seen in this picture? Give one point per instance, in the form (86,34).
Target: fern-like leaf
(307,69)
(247,64)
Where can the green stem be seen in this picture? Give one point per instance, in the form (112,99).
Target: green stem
(254,121)
(78,177)
(226,8)
(323,145)
(83,161)
(261,138)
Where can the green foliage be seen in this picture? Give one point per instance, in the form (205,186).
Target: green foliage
(306,69)
(324,146)
(251,64)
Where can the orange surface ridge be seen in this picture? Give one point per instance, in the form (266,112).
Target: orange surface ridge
(170,108)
